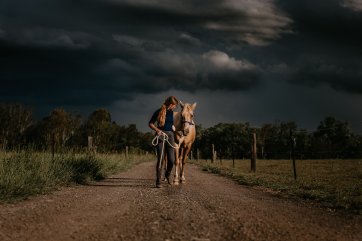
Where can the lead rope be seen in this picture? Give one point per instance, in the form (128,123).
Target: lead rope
(164,140)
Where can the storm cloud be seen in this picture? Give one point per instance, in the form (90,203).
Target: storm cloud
(84,53)
(326,47)
(120,47)
(355,5)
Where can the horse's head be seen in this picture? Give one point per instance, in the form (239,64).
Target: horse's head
(187,117)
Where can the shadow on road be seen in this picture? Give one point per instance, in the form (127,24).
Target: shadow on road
(124,182)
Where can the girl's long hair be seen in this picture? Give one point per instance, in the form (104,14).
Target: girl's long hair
(162,115)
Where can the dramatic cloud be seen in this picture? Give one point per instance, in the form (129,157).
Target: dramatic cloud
(355,5)
(323,50)
(49,38)
(114,48)
(259,22)
(86,53)
(128,40)
(255,22)
(190,72)
(189,40)
(340,76)
(222,61)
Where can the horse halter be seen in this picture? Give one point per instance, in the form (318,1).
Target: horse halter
(192,123)
(186,124)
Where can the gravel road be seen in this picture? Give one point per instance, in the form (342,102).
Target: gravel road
(127,206)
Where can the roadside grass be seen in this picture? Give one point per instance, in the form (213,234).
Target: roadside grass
(335,183)
(27,173)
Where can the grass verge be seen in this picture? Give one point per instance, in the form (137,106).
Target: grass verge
(28,173)
(336,184)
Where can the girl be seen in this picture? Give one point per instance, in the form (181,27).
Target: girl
(164,119)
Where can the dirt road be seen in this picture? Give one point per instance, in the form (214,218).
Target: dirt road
(209,207)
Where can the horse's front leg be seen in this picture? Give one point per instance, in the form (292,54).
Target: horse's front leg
(176,179)
(182,149)
(183,159)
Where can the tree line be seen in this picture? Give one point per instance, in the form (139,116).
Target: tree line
(331,139)
(61,131)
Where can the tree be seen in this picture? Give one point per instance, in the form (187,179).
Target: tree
(332,139)
(229,140)
(303,144)
(263,134)
(132,136)
(198,140)
(145,141)
(55,130)
(277,140)
(99,125)
(14,120)
(58,126)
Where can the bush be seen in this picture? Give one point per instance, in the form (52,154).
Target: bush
(85,168)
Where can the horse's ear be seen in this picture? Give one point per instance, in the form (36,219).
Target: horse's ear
(193,106)
(181,104)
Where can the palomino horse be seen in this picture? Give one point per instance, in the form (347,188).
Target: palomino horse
(185,135)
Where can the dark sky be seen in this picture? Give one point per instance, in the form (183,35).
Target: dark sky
(259,61)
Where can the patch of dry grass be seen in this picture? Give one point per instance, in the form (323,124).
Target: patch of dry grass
(27,173)
(337,183)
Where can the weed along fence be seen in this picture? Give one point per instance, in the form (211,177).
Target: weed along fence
(252,153)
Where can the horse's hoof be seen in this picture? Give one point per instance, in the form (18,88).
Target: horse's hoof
(183,181)
(176,183)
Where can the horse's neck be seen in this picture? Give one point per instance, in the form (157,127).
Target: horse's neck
(177,121)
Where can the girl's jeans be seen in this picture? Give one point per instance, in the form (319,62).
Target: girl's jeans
(169,152)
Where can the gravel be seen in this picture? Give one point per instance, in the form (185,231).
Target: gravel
(127,206)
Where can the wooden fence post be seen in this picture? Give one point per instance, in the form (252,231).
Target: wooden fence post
(126,152)
(253,153)
(213,153)
(292,145)
(197,154)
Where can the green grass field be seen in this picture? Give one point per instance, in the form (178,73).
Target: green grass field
(29,173)
(335,183)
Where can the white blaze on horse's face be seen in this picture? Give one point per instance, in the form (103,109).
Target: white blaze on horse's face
(187,115)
